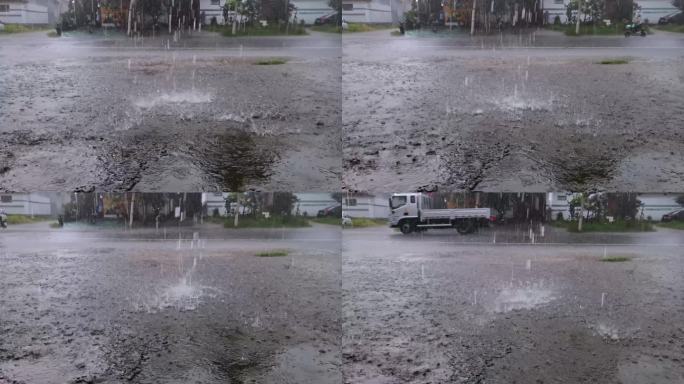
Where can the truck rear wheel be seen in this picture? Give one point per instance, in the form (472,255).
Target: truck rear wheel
(465,226)
(406,227)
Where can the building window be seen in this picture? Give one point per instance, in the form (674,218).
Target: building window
(350,202)
(4,8)
(558,1)
(215,2)
(562,198)
(6,198)
(347,6)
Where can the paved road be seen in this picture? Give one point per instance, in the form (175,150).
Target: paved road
(99,306)
(154,114)
(418,309)
(532,111)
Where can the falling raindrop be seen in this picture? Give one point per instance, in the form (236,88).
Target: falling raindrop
(603,298)
(528,264)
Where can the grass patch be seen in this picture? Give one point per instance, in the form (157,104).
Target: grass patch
(52,34)
(271,222)
(672,225)
(364,222)
(275,253)
(395,33)
(615,259)
(614,61)
(21,219)
(258,30)
(590,29)
(671,28)
(616,226)
(271,62)
(330,220)
(54,225)
(362,27)
(327,28)
(20,28)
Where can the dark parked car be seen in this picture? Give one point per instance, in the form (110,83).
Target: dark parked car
(677,215)
(673,18)
(327,19)
(334,211)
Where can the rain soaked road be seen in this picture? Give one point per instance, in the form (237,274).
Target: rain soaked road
(106,306)
(442,307)
(83,112)
(532,111)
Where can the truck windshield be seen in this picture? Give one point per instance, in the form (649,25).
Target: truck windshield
(397,201)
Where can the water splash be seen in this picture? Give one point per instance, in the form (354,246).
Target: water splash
(186,97)
(529,297)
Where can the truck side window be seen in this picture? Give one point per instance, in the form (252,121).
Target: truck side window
(413,199)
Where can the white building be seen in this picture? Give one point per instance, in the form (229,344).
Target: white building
(651,10)
(211,8)
(215,201)
(310,10)
(28,204)
(658,204)
(367,11)
(363,205)
(310,203)
(27,12)
(655,205)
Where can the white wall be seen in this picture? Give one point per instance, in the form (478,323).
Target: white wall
(25,204)
(310,10)
(24,13)
(311,203)
(367,11)
(656,204)
(650,9)
(655,9)
(375,207)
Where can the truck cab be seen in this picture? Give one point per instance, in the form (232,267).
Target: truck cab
(404,206)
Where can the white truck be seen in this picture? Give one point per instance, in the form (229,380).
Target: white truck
(413,212)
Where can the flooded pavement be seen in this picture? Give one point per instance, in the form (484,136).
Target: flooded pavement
(533,112)
(78,308)
(420,310)
(84,112)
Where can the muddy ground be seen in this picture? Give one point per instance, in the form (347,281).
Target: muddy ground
(431,309)
(101,307)
(83,112)
(534,111)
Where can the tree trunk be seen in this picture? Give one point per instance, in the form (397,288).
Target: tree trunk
(577,24)
(472,18)
(130,218)
(131,6)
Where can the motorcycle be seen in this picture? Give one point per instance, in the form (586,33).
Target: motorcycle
(3,220)
(634,29)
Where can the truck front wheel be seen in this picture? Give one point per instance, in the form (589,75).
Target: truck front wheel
(465,227)
(406,227)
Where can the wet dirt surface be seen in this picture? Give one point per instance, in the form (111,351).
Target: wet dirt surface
(431,309)
(532,112)
(84,112)
(97,307)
